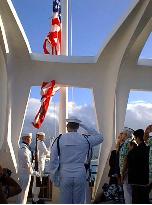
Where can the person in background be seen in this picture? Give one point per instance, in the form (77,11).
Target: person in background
(114,190)
(114,172)
(148,141)
(3,199)
(124,149)
(70,151)
(25,167)
(42,152)
(131,146)
(8,186)
(138,169)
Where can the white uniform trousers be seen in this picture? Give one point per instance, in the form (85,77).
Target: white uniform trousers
(72,190)
(127,191)
(35,189)
(24,181)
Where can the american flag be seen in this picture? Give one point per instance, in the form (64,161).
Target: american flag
(48,90)
(52,43)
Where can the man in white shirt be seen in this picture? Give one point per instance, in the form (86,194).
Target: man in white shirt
(42,152)
(25,167)
(69,154)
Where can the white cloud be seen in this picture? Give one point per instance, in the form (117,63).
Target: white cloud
(138,115)
(83,112)
(50,125)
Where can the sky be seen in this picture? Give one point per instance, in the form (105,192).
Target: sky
(89,17)
(92,21)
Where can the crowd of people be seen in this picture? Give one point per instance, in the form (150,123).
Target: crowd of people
(131,167)
(130,173)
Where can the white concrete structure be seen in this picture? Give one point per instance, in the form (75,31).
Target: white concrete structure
(111,74)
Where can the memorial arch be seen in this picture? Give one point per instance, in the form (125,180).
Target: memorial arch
(111,74)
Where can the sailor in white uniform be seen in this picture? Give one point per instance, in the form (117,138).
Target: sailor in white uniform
(42,152)
(25,167)
(72,155)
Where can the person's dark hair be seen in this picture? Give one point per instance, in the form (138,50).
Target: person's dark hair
(139,134)
(73,125)
(132,143)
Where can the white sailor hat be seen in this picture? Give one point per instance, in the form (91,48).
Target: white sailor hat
(41,133)
(27,134)
(73,120)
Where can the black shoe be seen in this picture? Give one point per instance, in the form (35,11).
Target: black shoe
(40,201)
(34,202)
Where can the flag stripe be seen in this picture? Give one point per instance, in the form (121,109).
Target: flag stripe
(52,43)
(48,90)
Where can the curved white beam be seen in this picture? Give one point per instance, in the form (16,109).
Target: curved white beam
(117,26)
(111,61)
(25,70)
(3,98)
(15,34)
(131,75)
(63,58)
(3,38)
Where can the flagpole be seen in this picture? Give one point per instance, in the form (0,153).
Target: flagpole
(70,27)
(63,107)
(70,38)
(65,18)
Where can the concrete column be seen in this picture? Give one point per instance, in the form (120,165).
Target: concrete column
(122,95)
(63,109)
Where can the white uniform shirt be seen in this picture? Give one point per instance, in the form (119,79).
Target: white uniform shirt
(42,150)
(73,151)
(25,159)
